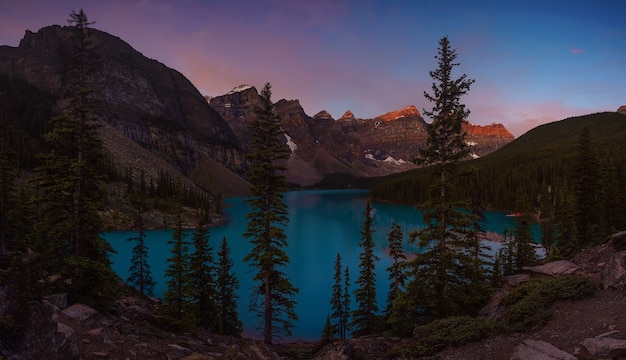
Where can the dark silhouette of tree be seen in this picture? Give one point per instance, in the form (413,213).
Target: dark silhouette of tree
(523,244)
(346,301)
(397,276)
(140,273)
(8,173)
(365,319)
(69,184)
(267,219)
(339,315)
(201,273)
(586,190)
(178,310)
(226,288)
(440,278)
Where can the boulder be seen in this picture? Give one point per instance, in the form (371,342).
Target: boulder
(618,240)
(79,312)
(335,351)
(559,267)
(614,272)
(44,338)
(539,350)
(601,348)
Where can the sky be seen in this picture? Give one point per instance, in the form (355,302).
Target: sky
(533,62)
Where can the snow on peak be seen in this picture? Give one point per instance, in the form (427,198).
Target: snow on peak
(239,88)
(389,159)
(292,145)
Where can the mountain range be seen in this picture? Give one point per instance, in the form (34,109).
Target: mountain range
(155,119)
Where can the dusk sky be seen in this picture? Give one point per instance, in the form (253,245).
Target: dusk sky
(533,61)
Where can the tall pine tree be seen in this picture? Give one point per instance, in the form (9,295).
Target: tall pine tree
(339,316)
(178,308)
(201,272)
(397,277)
(140,273)
(69,183)
(439,278)
(365,320)
(274,293)
(226,287)
(586,190)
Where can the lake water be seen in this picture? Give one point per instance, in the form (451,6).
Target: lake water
(321,224)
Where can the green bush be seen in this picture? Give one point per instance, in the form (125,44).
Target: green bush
(455,330)
(529,304)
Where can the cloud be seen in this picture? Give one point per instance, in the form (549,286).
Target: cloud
(576,50)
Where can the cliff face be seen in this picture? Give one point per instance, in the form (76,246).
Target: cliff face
(362,147)
(151,104)
(318,145)
(486,139)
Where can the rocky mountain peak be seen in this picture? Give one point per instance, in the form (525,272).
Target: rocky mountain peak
(622,109)
(323,115)
(348,115)
(241,88)
(493,130)
(410,110)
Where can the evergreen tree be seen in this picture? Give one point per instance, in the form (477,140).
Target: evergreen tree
(328,331)
(395,241)
(140,273)
(226,290)
(365,320)
(8,173)
(202,279)
(178,308)
(523,249)
(440,276)
(346,302)
(506,255)
(267,220)
(338,316)
(69,183)
(546,219)
(612,195)
(586,190)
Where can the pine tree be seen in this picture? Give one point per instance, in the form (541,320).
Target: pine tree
(69,184)
(178,309)
(546,219)
(440,274)
(365,319)
(524,251)
(328,331)
(140,273)
(586,190)
(338,316)
(395,241)
(565,223)
(346,302)
(202,277)
(8,173)
(226,290)
(267,220)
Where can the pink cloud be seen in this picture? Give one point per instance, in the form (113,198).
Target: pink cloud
(575,50)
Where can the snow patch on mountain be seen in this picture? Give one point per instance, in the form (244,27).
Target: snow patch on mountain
(239,88)
(389,160)
(292,145)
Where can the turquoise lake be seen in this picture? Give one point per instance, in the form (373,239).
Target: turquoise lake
(321,224)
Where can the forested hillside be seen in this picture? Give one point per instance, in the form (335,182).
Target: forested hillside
(543,157)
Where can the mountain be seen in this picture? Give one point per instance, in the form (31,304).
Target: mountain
(152,116)
(154,119)
(322,145)
(542,157)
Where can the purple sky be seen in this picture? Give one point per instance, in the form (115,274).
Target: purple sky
(533,61)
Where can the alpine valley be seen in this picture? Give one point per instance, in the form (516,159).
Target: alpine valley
(154,119)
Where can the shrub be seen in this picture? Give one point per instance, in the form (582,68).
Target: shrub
(529,304)
(455,330)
